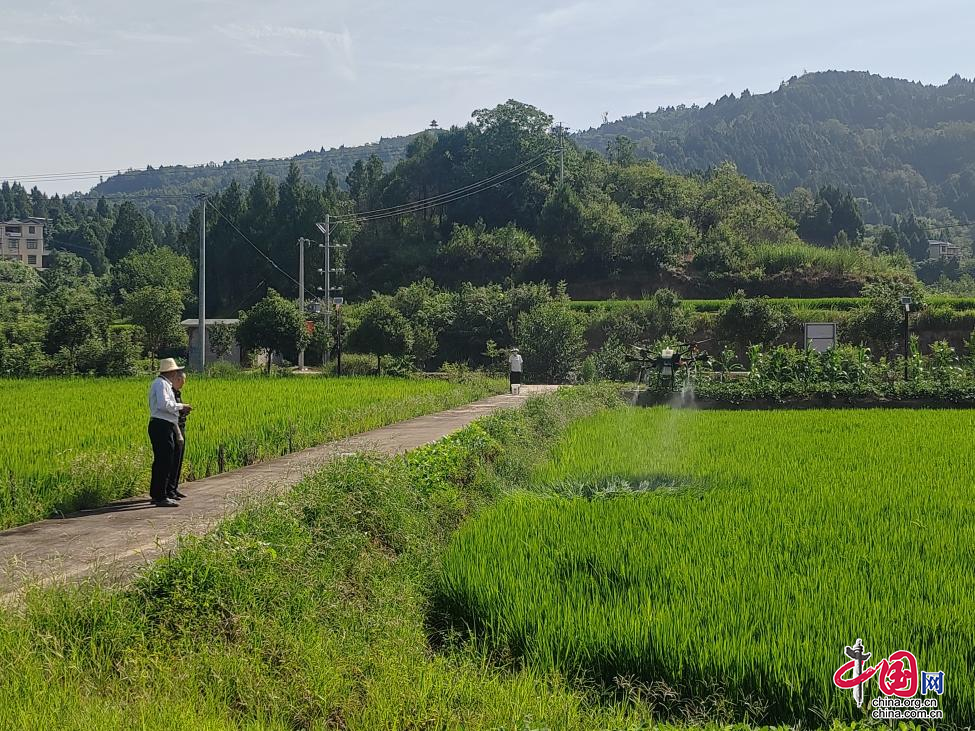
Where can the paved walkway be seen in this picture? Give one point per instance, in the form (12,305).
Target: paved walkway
(115,540)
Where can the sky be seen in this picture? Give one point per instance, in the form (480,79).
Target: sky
(114,84)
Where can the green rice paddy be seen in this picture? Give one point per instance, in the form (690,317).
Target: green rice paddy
(72,443)
(735,553)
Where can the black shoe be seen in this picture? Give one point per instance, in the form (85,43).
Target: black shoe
(176,494)
(165,503)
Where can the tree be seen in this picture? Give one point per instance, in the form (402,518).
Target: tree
(221,338)
(382,330)
(161,267)
(273,325)
(621,151)
(76,317)
(472,253)
(158,312)
(550,337)
(131,232)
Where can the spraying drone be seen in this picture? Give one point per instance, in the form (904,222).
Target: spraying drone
(668,363)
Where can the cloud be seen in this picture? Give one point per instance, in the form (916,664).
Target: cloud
(291,42)
(144,37)
(34,41)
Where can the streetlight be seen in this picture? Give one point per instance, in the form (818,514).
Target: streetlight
(906,302)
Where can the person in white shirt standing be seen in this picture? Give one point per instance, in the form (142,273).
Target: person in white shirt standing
(164,433)
(515,365)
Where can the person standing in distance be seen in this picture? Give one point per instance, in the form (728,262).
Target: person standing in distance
(164,434)
(172,489)
(515,365)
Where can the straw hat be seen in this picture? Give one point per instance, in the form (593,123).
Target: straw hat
(168,365)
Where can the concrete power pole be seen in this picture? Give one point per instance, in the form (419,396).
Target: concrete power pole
(202,328)
(301,293)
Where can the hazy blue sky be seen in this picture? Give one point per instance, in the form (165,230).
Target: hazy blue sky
(100,84)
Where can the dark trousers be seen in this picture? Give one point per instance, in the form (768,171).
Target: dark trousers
(173,484)
(162,435)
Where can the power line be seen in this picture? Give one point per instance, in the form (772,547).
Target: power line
(440,201)
(200,170)
(434,204)
(436,199)
(256,248)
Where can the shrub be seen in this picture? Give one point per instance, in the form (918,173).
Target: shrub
(743,321)
(550,339)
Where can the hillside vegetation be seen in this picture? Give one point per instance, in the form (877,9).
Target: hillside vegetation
(903,146)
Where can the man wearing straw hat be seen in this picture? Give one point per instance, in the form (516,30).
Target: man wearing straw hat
(164,433)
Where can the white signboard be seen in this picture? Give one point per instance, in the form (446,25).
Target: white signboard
(820,336)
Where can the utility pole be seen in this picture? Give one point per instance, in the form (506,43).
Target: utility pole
(301,292)
(906,302)
(202,329)
(328,282)
(327,271)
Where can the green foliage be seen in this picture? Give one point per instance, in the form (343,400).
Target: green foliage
(222,338)
(130,234)
(76,317)
(382,330)
(744,321)
(879,320)
(474,254)
(550,338)
(305,611)
(77,443)
(158,267)
(273,325)
(158,312)
(898,145)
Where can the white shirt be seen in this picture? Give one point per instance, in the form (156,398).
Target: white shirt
(162,401)
(514,363)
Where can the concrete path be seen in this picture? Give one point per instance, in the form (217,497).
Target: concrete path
(114,540)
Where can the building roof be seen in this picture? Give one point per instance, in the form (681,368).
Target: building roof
(932,242)
(195,322)
(17,221)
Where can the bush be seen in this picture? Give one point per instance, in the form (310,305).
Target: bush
(353,364)
(223,369)
(744,321)
(610,362)
(550,339)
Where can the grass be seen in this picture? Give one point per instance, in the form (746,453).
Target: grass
(74,443)
(733,554)
(311,612)
(841,262)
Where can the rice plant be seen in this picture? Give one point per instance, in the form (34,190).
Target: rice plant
(736,550)
(72,443)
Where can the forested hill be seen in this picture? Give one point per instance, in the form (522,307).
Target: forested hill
(176,180)
(903,145)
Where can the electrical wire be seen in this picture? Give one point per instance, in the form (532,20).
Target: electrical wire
(199,170)
(442,198)
(424,205)
(257,249)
